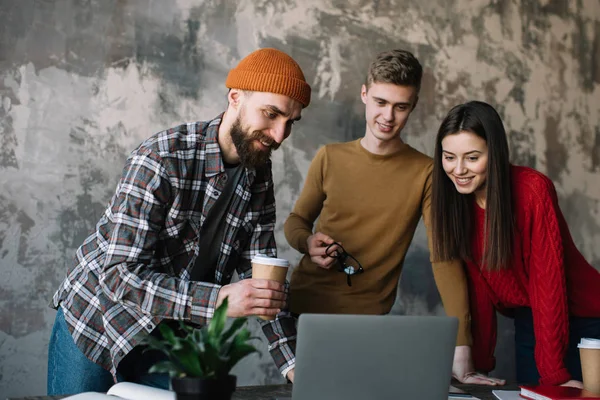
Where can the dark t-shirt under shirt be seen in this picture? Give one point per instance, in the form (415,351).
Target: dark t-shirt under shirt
(213,229)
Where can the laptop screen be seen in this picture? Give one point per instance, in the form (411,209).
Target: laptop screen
(373,357)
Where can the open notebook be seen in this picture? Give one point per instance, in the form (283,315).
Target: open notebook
(128,391)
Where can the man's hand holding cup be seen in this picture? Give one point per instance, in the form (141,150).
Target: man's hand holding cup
(274,271)
(263,295)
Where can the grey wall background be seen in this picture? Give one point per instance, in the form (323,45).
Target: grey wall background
(82,82)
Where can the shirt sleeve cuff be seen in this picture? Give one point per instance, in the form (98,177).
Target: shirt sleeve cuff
(556,378)
(290,366)
(204,301)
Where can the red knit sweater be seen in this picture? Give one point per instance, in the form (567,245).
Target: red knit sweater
(548,274)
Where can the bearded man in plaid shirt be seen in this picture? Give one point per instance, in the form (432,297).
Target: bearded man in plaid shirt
(194,204)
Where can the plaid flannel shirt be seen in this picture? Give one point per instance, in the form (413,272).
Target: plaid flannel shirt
(134,271)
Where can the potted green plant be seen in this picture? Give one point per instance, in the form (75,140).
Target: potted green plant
(199,361)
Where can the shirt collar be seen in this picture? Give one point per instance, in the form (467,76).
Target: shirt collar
(213,156)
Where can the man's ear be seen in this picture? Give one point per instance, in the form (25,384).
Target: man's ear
(363,93)
(234,97)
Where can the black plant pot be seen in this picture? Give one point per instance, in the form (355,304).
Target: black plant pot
(204,389)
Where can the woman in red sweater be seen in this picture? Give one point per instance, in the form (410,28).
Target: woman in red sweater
(504,221)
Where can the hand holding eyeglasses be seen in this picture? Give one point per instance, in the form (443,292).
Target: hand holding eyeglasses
(325,252)
(317,247)
(346,262)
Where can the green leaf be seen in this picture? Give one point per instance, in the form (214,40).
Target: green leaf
(238,352)
(197,337)
(186,328)
(239,347)
(168,367)
(242,336)
(167,333)
(188,359)
(157,344)
(237,324)
(211,360)
(217,323)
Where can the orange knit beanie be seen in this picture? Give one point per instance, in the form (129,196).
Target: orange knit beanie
(270,70)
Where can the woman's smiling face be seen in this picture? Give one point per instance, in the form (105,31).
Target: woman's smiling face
(464,159)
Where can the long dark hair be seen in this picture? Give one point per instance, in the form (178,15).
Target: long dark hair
(451,212)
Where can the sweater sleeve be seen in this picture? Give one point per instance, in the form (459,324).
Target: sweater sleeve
(484,327)
(299,224)
(450,279)
(547,284)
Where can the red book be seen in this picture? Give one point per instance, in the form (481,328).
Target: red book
(556,393)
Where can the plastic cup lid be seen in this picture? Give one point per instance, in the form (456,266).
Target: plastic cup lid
(264,259)
(589,343)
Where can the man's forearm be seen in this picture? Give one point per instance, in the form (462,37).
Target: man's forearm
(450,279)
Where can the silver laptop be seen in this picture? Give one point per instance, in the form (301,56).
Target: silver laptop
(375,357)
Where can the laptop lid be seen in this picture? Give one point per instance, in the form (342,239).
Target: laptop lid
(357,357)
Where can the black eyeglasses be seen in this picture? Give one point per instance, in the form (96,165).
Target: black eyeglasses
(346,262)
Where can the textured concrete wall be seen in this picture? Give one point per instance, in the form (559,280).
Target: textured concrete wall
(82,82)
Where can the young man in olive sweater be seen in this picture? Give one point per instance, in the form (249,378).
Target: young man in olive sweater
(369,195)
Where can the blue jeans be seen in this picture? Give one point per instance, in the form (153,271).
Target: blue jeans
(71,372)
(527,372)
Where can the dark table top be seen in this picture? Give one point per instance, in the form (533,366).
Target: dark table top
(271,391)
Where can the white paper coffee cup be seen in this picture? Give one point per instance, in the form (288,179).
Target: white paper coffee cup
(589,352)
(265,267)
(588,343)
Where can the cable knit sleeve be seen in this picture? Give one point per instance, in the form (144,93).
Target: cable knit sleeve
(547,282)
(484,324)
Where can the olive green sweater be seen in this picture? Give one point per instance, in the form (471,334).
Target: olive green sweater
(372,205)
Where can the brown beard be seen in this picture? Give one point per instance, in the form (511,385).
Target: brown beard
(251,157)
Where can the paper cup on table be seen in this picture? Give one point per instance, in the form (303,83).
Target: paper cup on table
(589,351)
(275,269)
